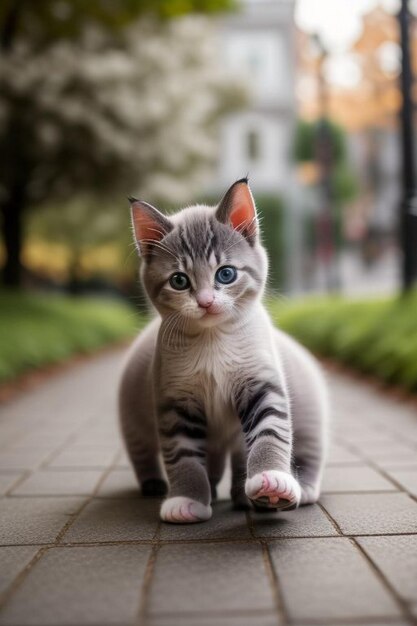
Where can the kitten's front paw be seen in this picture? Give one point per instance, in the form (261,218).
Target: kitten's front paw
(182,510)
(274,489)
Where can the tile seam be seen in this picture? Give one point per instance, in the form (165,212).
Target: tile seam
(87,501)
(20,577)
(383,472)
(129,542)
(280,606)
(401,603)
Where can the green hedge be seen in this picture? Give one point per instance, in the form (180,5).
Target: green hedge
(37,330)
(271,211)
(376,336)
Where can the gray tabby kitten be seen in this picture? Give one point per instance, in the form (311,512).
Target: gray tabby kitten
(211,375)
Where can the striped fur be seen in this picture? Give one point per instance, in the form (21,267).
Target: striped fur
(198,386)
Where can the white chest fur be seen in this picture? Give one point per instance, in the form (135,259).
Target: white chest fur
(209,367)
(204,369)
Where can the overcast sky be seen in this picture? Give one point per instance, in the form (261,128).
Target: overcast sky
(338,22)
(339,25)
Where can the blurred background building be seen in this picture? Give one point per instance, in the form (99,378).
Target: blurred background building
(103,101)
(258,46)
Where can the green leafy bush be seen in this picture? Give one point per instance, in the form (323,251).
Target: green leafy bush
(37,330)
(376,336)
(271,211)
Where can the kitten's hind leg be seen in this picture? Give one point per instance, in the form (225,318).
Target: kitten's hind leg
(239,461)
(137,418)
(144,454)
(309,460)
(310,412)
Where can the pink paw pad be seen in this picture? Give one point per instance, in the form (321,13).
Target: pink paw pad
(182,510)
(274,489)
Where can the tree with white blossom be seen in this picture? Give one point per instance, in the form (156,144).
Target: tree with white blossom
(108,116)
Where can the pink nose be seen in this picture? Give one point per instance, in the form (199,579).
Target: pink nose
(205,298)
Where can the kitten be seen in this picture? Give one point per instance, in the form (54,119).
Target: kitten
(211,375)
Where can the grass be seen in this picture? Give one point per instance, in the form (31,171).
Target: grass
(38,330)
(376,336)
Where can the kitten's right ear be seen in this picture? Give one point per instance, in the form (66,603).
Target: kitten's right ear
(149,225)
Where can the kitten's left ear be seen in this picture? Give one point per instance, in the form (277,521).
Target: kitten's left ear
(237,208)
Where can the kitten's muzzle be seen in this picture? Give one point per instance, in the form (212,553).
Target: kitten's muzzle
(212,310)
(205,298)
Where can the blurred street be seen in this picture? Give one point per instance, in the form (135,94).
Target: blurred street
(79,546)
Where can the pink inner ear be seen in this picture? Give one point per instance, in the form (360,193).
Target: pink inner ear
(243,213)
(146,229)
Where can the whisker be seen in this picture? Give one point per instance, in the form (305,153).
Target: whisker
(167,323)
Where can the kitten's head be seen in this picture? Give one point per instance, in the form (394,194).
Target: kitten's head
(205,264)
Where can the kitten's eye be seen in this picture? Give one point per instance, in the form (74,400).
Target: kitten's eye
(226,274)
(179,281)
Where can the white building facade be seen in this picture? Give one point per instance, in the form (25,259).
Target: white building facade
(258,46)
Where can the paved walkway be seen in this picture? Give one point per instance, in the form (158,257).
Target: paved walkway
(78,546)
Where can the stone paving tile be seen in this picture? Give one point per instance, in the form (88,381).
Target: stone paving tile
(386,446)
(100,437)
(13,559)
(225,524)
(329,579)
(85,585)
(392,622)
(42,438)
(123,461)
(387,451)
(338,454)
(354,478)
(407,478)
(68,483)
(400,463)
(229,577)
(119,483)
(220,619)
(325,579)
(396,557)
(34,520)
(107,519)
(84,457)
(7,480)
(307,521)
(22,459)
(372,514)
(360,432)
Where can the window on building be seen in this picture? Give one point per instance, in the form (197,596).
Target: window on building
(254,63)
(253,145)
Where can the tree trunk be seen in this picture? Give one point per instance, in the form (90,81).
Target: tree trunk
(12,212)
(10,25)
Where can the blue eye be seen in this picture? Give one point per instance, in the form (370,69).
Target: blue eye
(226,274)
(179,281)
